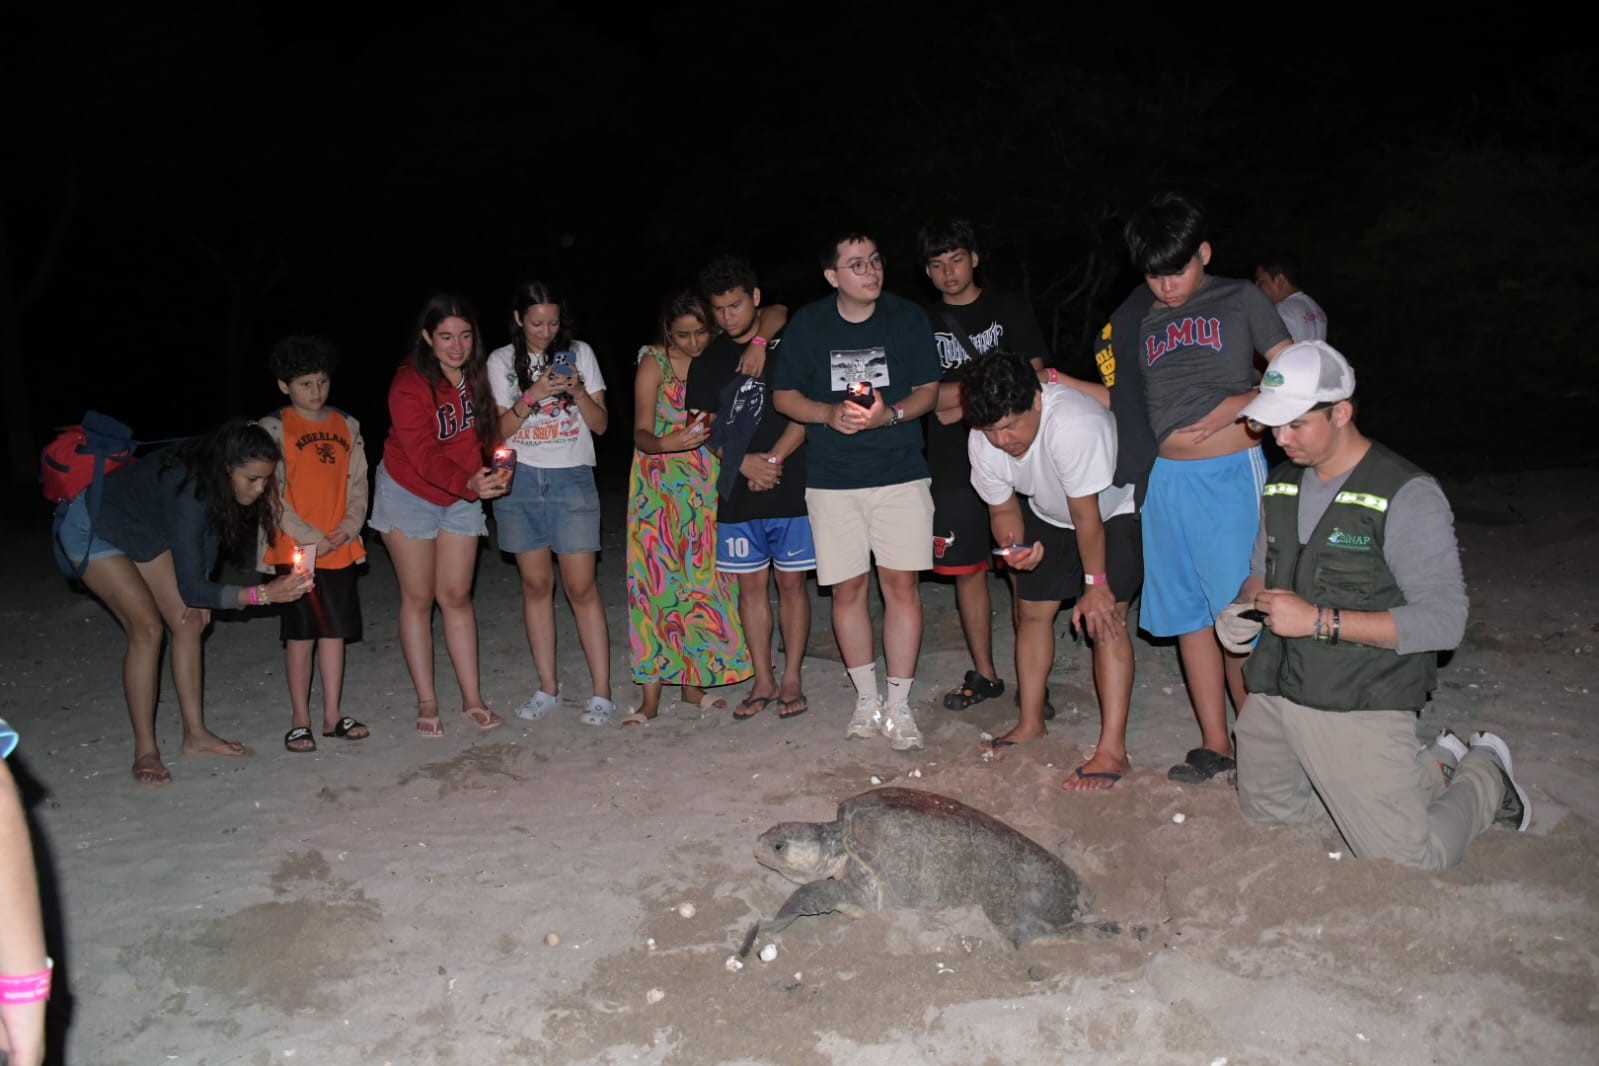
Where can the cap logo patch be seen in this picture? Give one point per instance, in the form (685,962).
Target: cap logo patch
(1272,380)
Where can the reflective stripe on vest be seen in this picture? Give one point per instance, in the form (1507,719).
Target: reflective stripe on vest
(1363,499)
(1285,488)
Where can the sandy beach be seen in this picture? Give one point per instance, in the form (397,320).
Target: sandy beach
(515,896)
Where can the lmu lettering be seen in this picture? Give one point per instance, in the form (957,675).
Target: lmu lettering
(1189,332)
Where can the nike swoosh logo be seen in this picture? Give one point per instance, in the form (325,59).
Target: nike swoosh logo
(794,553)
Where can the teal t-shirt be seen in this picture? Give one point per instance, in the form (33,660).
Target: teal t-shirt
(822,354)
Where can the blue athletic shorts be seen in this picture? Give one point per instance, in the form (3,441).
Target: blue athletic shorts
(74,537)
(395,507)
(747,547)
(554,507)
(1200,521)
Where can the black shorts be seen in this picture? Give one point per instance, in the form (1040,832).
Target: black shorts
(962,543)
(1060,575)
(330,609)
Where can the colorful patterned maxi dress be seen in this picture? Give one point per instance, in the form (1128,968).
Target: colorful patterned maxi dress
(682,613)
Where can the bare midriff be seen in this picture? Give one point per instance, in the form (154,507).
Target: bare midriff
(1235,438)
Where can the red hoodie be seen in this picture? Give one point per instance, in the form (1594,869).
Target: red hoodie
(432,449)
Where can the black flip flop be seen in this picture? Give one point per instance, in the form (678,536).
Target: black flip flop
(784,707)
(751,705)
(344,727)
(299,732)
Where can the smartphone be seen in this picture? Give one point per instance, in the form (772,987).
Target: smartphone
(561,366)
(304,559)
(697,417)
(860,392)
(1013,549)
(504,459)
(1254,614)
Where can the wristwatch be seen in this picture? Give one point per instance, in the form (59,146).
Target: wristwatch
(896,414)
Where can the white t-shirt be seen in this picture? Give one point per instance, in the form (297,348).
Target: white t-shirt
(1305,319)
(1074,454)
(554,433)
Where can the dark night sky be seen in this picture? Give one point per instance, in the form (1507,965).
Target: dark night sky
(180,192)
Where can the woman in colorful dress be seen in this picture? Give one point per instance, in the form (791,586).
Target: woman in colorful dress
(682,613)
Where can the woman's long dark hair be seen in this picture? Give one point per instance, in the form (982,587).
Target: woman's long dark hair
(476,369)
(208,463)
(531,294)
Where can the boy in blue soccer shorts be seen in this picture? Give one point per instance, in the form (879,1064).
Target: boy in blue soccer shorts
(1196,349)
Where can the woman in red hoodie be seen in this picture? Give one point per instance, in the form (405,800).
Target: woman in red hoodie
(426,500)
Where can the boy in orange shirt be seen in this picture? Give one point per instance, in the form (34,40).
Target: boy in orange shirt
(323,494)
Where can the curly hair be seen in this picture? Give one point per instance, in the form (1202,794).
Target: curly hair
(476,369)
(995,385)
(208,463)
(726,273)
(531,294)
(300,354)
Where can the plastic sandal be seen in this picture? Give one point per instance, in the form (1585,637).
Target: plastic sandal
(974,689)
(599,711)
(540,705)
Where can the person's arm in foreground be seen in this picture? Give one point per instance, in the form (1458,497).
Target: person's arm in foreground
(21,932)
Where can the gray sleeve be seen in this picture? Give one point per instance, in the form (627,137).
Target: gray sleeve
(1419,547)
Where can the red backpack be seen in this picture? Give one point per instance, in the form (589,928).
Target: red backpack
(79,456)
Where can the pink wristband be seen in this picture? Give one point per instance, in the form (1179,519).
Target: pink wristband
(28,987)
(253,594)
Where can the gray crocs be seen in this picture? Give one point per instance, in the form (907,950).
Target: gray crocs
(599,711)
(540,705)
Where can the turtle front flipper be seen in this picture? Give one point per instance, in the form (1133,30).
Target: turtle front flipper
(816,897)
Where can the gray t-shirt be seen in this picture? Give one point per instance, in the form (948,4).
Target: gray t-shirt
(1197,355)
(1419,548)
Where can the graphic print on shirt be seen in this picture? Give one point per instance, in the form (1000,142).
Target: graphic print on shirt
(1105,358)
(952,353)
(455,416)
(554,419)
(322,443)
(1191,332)
(858,364)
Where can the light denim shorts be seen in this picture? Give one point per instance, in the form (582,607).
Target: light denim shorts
(554,507)
(396,509)
(74,537)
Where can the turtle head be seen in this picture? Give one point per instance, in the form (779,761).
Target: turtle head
(800,851)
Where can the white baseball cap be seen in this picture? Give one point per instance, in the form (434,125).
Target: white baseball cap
(1302,376)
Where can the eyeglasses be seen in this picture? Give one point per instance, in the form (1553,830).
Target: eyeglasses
(858,267)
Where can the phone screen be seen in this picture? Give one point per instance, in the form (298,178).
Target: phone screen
(304,559)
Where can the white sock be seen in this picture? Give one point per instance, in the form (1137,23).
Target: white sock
(864,679)
(899,691)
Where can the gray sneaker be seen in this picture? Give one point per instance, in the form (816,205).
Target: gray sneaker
(867,721)
(1447,750)
(899,726)
(1516,808)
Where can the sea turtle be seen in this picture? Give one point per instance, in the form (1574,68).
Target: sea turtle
(899,847)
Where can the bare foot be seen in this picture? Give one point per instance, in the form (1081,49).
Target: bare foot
(149,771)
(753,704)
(1016,736)
(210,744)
(1099,773)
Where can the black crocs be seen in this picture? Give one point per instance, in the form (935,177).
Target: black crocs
(973,690)
(1200,766)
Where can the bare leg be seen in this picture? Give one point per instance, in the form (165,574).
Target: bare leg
(330,661)
(297,670)
(577,578)
(902,620)
(650,706)
(852,622)
(1035,654)
(1234,666)
(1113,681)
(118,585)
(537,570)
(755,611)
(413,567)
(455,560)
(794,616)
(1205,674)
(973,602)
(186,627)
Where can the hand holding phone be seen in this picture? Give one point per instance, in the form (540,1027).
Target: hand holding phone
(304,560)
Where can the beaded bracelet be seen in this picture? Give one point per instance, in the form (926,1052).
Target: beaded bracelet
(28,987)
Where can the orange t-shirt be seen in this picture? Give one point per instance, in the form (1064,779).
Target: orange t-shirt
(316,476)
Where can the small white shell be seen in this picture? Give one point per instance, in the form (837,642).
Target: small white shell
(1335,855)
(552,939)
(654,995)
(650,943)
(876,780)
(768,953)
(1179,817)
(916,773)
(685,910)
(733,965)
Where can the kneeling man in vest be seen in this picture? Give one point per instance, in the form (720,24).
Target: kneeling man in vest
(1354,588)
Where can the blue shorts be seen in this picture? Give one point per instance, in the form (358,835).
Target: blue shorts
(397,509)
(74,538)
(1200,521)
(554,507)
(749,547)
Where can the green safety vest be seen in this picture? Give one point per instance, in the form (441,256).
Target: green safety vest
(1342,566)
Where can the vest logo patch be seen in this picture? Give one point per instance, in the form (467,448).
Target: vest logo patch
(1355,542)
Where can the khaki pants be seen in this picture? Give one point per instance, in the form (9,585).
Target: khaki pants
(1384,791)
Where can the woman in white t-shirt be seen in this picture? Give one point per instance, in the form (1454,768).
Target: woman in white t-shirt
(551,401)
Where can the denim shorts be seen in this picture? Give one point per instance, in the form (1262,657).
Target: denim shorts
(396,509)
(555,507)
(73,534)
